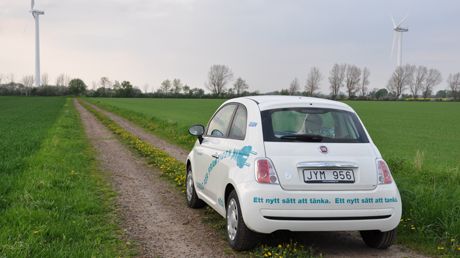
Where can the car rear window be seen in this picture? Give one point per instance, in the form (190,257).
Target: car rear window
(312,125)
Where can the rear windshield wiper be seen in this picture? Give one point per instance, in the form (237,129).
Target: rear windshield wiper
(303,137)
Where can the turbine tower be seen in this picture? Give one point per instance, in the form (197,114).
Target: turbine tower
(36,14)
(397,38)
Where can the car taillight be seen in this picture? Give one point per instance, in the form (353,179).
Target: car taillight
(265,172)
(384,174)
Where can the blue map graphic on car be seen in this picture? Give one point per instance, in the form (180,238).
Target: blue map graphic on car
(240,156)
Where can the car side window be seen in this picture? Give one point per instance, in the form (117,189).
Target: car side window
(238,129)
(220,123)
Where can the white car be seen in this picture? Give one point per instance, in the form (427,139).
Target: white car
(269,163)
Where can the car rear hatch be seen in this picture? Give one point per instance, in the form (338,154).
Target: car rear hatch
(323,166)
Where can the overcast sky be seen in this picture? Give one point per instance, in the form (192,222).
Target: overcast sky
(267,43)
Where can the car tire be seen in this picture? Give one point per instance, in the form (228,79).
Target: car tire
(378,239)
(190,194)
(239,236)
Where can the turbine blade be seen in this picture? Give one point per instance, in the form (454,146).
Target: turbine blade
(403,20)
(393,21)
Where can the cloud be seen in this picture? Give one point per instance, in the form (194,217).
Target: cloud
(266,42)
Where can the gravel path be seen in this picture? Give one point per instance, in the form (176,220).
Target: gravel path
(153,212)
(330,244)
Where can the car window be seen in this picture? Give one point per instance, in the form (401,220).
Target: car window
(221,121)
(238,129)
(312,124)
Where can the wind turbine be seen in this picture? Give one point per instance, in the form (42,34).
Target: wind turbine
(397,38)
(36,14)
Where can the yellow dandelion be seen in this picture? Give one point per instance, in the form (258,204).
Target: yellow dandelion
(440,247)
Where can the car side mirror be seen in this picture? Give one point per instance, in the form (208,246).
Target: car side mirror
(198,131)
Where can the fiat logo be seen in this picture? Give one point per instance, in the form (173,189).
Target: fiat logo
(323,149)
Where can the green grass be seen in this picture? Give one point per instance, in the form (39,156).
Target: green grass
(420,141)
(53,201)
(184,112)
(400,129)
(168,118)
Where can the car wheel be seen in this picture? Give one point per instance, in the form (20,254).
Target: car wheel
(240,237)
(378,239)
(192,198)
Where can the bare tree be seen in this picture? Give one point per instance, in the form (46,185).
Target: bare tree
(400,79)
(364,81)
(45,79)
(352,78)
(28,81)
(93,85)
(10,78)
(116,85)
(336,77)
(454,84)
(165,86)
(314,77)
(67,80)
(419,80)
(293,87)
(1,78)
(240,86)
(186,89)
(176,86)
(105,82)
(60,80)
(433,78)
(218,77)
(146,88)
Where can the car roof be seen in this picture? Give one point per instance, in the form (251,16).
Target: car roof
(280,101)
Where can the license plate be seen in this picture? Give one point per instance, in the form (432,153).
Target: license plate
(341,176)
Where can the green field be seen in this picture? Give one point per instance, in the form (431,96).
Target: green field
(399,129)
(53,200)
(420,141)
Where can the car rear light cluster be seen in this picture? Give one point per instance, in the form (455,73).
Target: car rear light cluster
(384,174)
(265,172)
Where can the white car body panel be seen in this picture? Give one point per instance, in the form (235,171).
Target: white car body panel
(364,205)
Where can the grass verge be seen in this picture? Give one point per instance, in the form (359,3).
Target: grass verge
(59,205)
(174,171)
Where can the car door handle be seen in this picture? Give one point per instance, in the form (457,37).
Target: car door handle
(216,156)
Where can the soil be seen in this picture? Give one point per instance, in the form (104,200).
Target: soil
(156,216)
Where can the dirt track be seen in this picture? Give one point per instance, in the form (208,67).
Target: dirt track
(153,212)
(156,216)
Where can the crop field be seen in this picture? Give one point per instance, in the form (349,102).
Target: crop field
(419,140)
(400,129)
(53,203)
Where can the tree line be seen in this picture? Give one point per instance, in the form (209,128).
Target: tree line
(346,81)
(420,81)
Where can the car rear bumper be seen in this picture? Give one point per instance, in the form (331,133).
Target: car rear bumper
(268,208)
